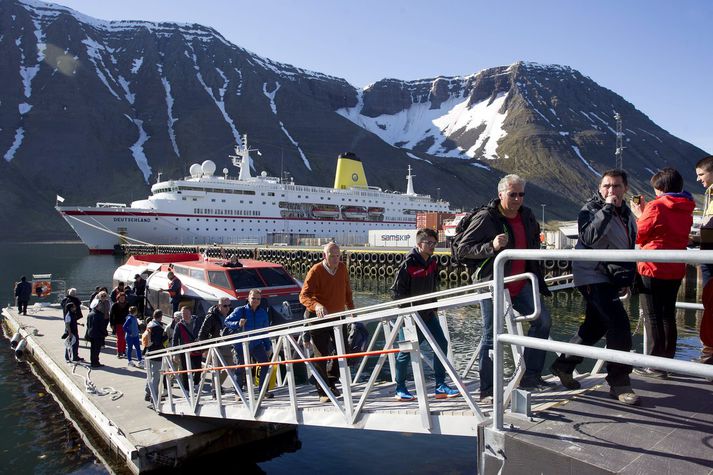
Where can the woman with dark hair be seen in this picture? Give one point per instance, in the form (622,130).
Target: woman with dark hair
(664,223)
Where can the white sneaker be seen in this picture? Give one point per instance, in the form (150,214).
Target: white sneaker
(140,364)
(130,363)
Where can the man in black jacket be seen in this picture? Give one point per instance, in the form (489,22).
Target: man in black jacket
(506,224)
(604,222)
(212,328)
(23,290)
(418,275)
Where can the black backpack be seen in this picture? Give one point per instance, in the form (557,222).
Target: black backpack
(462,226)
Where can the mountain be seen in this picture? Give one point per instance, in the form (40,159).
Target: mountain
(94,110)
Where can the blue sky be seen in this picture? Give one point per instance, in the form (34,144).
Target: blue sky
(656,54)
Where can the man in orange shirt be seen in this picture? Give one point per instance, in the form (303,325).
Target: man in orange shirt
(327,290)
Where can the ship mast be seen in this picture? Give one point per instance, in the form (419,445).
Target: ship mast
(409,183)
(241,159)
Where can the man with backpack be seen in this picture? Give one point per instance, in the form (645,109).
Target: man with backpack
(157,339)
(212,327)
(505,223)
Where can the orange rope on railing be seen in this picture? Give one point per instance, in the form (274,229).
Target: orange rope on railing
(271,363)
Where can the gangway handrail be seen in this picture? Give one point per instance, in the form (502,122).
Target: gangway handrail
(590,255)
(320,322)
(283,337)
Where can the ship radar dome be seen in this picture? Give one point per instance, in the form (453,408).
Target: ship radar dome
(208,167)
(195,170)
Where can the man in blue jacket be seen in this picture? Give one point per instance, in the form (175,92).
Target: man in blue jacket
(418,275)
(247,318)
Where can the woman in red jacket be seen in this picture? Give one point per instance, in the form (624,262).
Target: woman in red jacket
(663,223)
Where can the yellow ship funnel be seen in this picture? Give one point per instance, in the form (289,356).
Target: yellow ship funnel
(350,172)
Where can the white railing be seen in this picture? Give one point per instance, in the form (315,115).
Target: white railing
(500,337)
(289,350)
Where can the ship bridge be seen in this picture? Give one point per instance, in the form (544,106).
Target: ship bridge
(504,437)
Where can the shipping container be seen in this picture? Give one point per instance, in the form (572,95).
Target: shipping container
(392,238)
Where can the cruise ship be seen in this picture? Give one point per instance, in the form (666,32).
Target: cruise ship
(205,208)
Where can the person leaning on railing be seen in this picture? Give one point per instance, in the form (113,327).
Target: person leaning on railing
(704,174)
(663,223)
(327,290)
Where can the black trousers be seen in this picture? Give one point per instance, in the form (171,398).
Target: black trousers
(604,316)
(196,362)
(22,306)
(95,347)
(323,344)
(658,301)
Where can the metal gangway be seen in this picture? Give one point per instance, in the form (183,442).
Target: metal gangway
(367,399)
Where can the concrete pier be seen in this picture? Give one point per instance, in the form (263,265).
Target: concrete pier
(670,433)
(128,431)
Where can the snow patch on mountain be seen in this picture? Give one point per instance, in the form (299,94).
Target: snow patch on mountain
(136,65)
(94,50)
(420,122)
(169,110)
(137,150)
(219,102)
(273,106)
(579,154)
(411,155)
(19,135)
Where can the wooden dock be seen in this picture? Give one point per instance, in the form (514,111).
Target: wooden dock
(127,429)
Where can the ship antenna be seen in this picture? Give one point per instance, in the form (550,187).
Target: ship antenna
(158,177)
(241,159)
(409,182)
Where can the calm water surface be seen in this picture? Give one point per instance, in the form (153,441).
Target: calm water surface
(37,437)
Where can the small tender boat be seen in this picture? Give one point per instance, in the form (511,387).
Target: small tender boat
(205,280)
(326,211)
(354,212)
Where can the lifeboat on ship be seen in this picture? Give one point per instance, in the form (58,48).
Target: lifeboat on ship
(354,212)
(326,211)
(205,280)
(375,213)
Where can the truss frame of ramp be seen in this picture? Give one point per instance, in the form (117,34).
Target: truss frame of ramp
(367,404)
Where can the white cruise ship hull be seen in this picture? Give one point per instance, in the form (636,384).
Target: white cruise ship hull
(103,228)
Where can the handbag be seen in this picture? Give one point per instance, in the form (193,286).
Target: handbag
(621,274)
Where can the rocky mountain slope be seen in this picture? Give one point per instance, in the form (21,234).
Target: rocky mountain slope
(94,110)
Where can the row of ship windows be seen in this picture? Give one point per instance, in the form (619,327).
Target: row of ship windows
(275,222)
(238,212)
(307,197)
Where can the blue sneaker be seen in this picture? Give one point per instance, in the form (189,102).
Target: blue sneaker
(444,392)
(402,394)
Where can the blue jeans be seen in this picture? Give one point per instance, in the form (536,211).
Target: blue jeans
(540,328)
(133,342)
(404,358)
